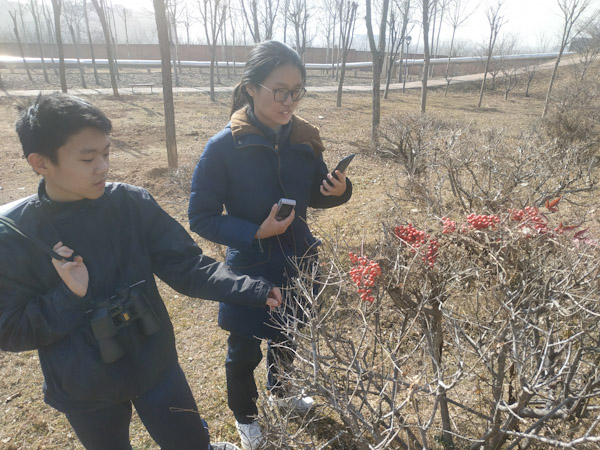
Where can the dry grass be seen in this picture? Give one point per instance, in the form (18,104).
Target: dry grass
(139,157)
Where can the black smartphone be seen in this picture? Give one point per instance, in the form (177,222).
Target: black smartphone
(342,166)
(284,208)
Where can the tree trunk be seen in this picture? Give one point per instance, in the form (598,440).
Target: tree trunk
(16,30)
(36,19)
(89,35)
(378,53)
(51,35)
(107,40)
(425,56)
(75,39)
(56,6)
(552,78)
(162,27)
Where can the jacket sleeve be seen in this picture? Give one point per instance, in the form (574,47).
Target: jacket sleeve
(318,200)
(178,261)
(31,320)
(207,198)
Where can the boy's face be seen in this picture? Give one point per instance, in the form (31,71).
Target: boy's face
(81,168)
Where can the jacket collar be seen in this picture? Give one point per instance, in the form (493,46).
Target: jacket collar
(47,202)
(301,132)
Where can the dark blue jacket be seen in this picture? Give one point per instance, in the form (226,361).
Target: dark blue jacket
(243,171)
(124,237)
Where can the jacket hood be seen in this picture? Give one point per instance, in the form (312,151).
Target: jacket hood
(302,131)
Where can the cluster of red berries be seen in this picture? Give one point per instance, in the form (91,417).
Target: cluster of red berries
(411,236)
(449,225)
(530,217)
(483,222)
(416,238)
(364,275)
(432,251)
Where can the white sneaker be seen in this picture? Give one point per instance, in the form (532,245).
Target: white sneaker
(298,404)
(250,435)
(223,446)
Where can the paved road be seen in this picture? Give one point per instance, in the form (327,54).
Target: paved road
(435,82)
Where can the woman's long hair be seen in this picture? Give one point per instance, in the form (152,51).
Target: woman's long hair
(262,60)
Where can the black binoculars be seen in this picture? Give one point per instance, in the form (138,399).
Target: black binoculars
(121,310)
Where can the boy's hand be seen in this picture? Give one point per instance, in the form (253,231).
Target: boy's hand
(274,298)
(339,185)
(273,227)
(74,273)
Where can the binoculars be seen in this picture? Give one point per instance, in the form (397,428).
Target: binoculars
(121,310)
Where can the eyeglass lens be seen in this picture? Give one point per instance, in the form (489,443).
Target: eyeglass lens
(281,95)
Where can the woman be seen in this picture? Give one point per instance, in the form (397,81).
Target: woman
(265,153)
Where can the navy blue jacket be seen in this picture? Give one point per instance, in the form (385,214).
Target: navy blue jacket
(243,171)
(124,238)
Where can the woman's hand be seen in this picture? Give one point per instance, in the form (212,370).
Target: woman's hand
(74,273)
(339,185)
(273,227)
(274,298)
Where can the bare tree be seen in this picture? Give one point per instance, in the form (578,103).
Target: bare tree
(114,37)
(233,16)
(224,42)
(125,14)
(271,8)
(396,41)
(51,35)
(35,12)
(298,16)
(56,7)
(495,21)
(254,15)
(173,37)
(250,10)
(347,14)
(100,8)
(572,13)
(286,9)
(13,15)
(427,6)
(213,14)
(187,22)
(73,14)
(589,50)
(328,19)
(90,42)
(378,55)
(531,69)
(162,26)
(459,14)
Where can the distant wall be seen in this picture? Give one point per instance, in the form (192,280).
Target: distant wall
(151,51)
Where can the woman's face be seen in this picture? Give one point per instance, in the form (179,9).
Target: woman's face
(268,111)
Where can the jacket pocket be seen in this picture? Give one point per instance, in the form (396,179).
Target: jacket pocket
(74,371)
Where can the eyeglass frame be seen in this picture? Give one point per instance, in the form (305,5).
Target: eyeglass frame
(288,94)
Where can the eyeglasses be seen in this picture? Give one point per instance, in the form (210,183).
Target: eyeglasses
(281,95)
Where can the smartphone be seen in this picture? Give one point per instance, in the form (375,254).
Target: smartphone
(342,166)
(284,208)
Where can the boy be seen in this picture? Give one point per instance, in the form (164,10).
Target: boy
(93,311)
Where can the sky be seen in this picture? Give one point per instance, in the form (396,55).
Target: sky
(530,22)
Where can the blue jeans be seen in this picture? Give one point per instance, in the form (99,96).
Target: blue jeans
(168,411)
(243,356)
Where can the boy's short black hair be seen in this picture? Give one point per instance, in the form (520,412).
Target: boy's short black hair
(47,123)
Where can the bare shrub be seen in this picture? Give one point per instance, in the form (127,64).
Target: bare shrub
(480,334)
(450,166)
(574,116)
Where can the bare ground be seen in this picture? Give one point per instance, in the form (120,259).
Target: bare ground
(139,157)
